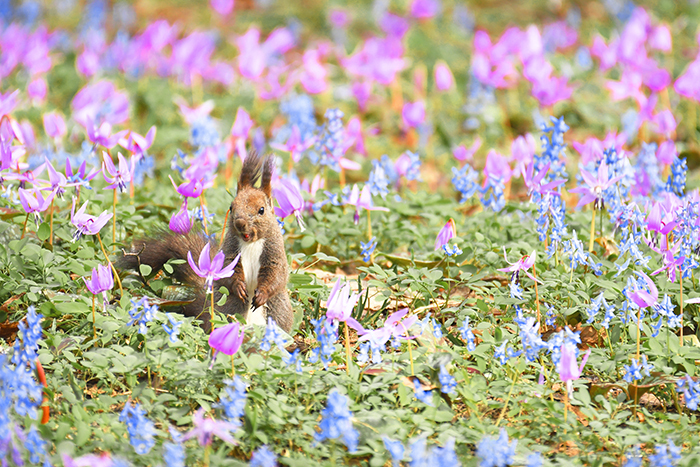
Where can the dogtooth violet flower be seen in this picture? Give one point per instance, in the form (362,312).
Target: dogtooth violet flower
(85,223)
(447,232)
(180,221)
(341,302)
(443,77)
(211,269)
(205,429)
(226,339)
(117,178)
(294,145)
(362,199)
(289,200)
(101,281)
(595,186)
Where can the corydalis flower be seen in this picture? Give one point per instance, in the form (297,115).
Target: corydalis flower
(211,269)
(85,223)
(290,201)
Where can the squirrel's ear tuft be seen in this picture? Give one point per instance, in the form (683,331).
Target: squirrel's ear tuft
(268,170)
(250,173)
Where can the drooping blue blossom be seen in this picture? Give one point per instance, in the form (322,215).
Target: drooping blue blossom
(467,334)
(36,446)
(367,249)
(25,350)
(424,396)
(336,421)
(331,140)
(378,181)
(503,354)
(435,328)
(691,391)
(419,453)
(273,335)
(142,313)
(263,457)
(143,168)
(550,316)
(299,110)
(447,382)
(141,429)
(412,169)
(496,452)
(445,456)
(493,194)
(203,133)
(515,290)
(395,448)
(594,308)
(666,455)
(677,178)
(637,370)
(530,337)
(465,181)
(174,454)
(327,334)
(174,329)
(370,351)
(293,360)
(648,172)
(454,250)
(534,460)
(234,400)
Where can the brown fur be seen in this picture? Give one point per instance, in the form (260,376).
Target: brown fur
(246,224)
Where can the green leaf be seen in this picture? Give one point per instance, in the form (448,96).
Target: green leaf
(145,270)
(44,231)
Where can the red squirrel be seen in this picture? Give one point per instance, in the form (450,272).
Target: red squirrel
(258,287)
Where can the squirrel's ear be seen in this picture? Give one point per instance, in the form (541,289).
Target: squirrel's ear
(268,169)
(250,171)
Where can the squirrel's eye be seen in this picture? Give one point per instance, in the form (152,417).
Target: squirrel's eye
(261,211)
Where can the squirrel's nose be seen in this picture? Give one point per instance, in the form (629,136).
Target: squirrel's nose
(240,223)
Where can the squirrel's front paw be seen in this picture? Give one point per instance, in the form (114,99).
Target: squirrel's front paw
(260,298)
(241,290)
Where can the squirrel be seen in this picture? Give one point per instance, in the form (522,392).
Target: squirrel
(258,286)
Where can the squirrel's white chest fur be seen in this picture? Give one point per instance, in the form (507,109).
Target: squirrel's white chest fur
(250,260)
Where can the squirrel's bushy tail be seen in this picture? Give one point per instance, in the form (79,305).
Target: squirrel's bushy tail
(155,251)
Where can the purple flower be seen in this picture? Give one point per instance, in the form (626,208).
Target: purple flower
(54,125)
(103,136)
(117,178)
(341,302)
(137,144)
(313,74)
(447,232)
(79,176)
(425,9)
(295,146)
(648,296)
(37,89)
(211,269)
(462,154)
(57,181)
(595,186)
(394,327)
(100,99)
(85,223)
(290,201)
(443,77)
(362,200)
(568,368)
(413,114)
(180,221)
(34,201)
(497,167)
(205,429)
(222,7)
(523,264)
(8,102)
(226,339)
(101,281)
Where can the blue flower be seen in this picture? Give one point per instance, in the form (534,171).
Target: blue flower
(467,334)
(233,401)
(453,251)
(203,133)
(141,429)
(633,371)
(293,360)
(142,313)
(465,181)
(424,396)
(666,455)
(174,454)
(174,329)
(634,458)
(496,452)
(495,200)
(503,355)
(327,334)
(378,181)
(691,391)
(336,421)
(534,460)
(299,110)
(447,381)
(367,249)
(35,445)
(445,456)
(395,448)
(263,457)
(273,334)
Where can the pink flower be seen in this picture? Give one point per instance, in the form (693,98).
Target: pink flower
(443,77)
(37,89)
(117,178)
(362,90)
(137,144)
(523,264)
(447,232)
(394,326)
(594,186)
(294,146)
(413,114)
(226,339)
(290,201)
(34,201)
(362,200)
(193,114)
(222,7)
(101,281)
(313,75)
(338,17)
(54,125)
(424,9)
(497,166)
(103,136)
(211,269)
(463,154)
(666,152)
(644,298)
(394,26)
(341,302)
(85,223)
(568,368)
(180,221)
(205,429)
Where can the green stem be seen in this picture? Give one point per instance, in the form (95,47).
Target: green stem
(51,222)
(505,406)
(114,221)
(590,244)
(94,327)
(347,349)
(681,285)
(116,274)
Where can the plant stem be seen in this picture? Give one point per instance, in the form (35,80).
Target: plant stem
(114,221)
(223,230)
(206,455)
(204,217)
(51,221)
(505,406)
(681,284)
(347,349)
(233,368)
(116,274)
(639,332)
(590,244)
(94,327)
(537,296)
(24,227)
